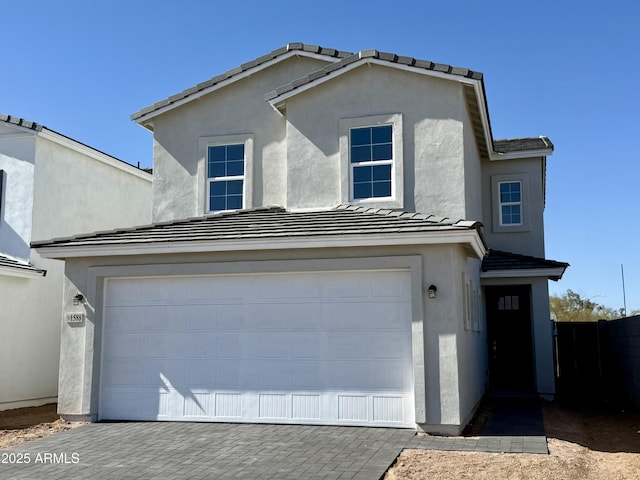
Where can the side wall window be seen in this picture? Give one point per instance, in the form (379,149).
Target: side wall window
(510,203)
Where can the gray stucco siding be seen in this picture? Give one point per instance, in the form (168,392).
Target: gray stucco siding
(436,322)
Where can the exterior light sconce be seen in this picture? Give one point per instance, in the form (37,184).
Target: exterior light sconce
(78,299)
(432,291)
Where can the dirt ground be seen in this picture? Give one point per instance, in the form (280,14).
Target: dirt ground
(23,424)
(584,444)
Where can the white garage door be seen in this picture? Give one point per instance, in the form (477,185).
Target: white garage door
(324,347)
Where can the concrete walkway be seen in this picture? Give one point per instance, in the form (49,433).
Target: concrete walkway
(157,450)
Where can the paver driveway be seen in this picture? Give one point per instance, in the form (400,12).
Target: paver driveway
(207,451)
(156,450)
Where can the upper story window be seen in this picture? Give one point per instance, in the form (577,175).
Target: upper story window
(225,177)
(371,161)
(225,172)
(510,203)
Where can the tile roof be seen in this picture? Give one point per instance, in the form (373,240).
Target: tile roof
(291,47)
(342,59)
(21,122)
(8,262)
(510,145)
(373,54)
(268,222)
(500,260)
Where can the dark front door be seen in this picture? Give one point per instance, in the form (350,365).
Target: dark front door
(510,339)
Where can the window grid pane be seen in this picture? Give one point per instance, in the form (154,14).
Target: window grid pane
(225,195)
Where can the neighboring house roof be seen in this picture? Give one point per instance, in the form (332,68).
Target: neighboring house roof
(271,227)
(341,62)
(508,264)
(528,144)
(20,122)
(13,267)
(69,142)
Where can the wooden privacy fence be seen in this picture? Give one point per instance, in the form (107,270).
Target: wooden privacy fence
(598,362)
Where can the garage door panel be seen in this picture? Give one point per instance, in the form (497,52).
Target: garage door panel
(389,315)
(197,404)
(306,375)
(351,285)
(304,346)
(231,318)
(199,374)
(124,373)
(155,318)
(125,346)
(165,346)
(275,374)
(390,344)
(202,345)
(275,345)
(320,347)
(395,375)
(393,287)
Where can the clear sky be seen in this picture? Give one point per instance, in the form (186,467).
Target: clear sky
(566,69)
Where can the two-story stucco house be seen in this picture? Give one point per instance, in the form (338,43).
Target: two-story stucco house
(337,239)
(50,186)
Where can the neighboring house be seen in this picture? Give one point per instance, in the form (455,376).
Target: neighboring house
(319,254)
(50,186)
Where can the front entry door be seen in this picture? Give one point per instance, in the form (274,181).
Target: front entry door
(510,340)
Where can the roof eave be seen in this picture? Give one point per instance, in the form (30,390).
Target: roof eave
(521,154)
(22,272)
(552,273)
(470,238)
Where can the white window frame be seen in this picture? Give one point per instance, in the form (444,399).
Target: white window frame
(205,182)
(498,225)
(396,200)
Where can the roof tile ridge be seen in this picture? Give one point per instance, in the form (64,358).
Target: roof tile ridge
(21,122)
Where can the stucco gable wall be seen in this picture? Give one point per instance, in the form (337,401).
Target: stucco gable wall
(76,194)
(236,109)
(433,115)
